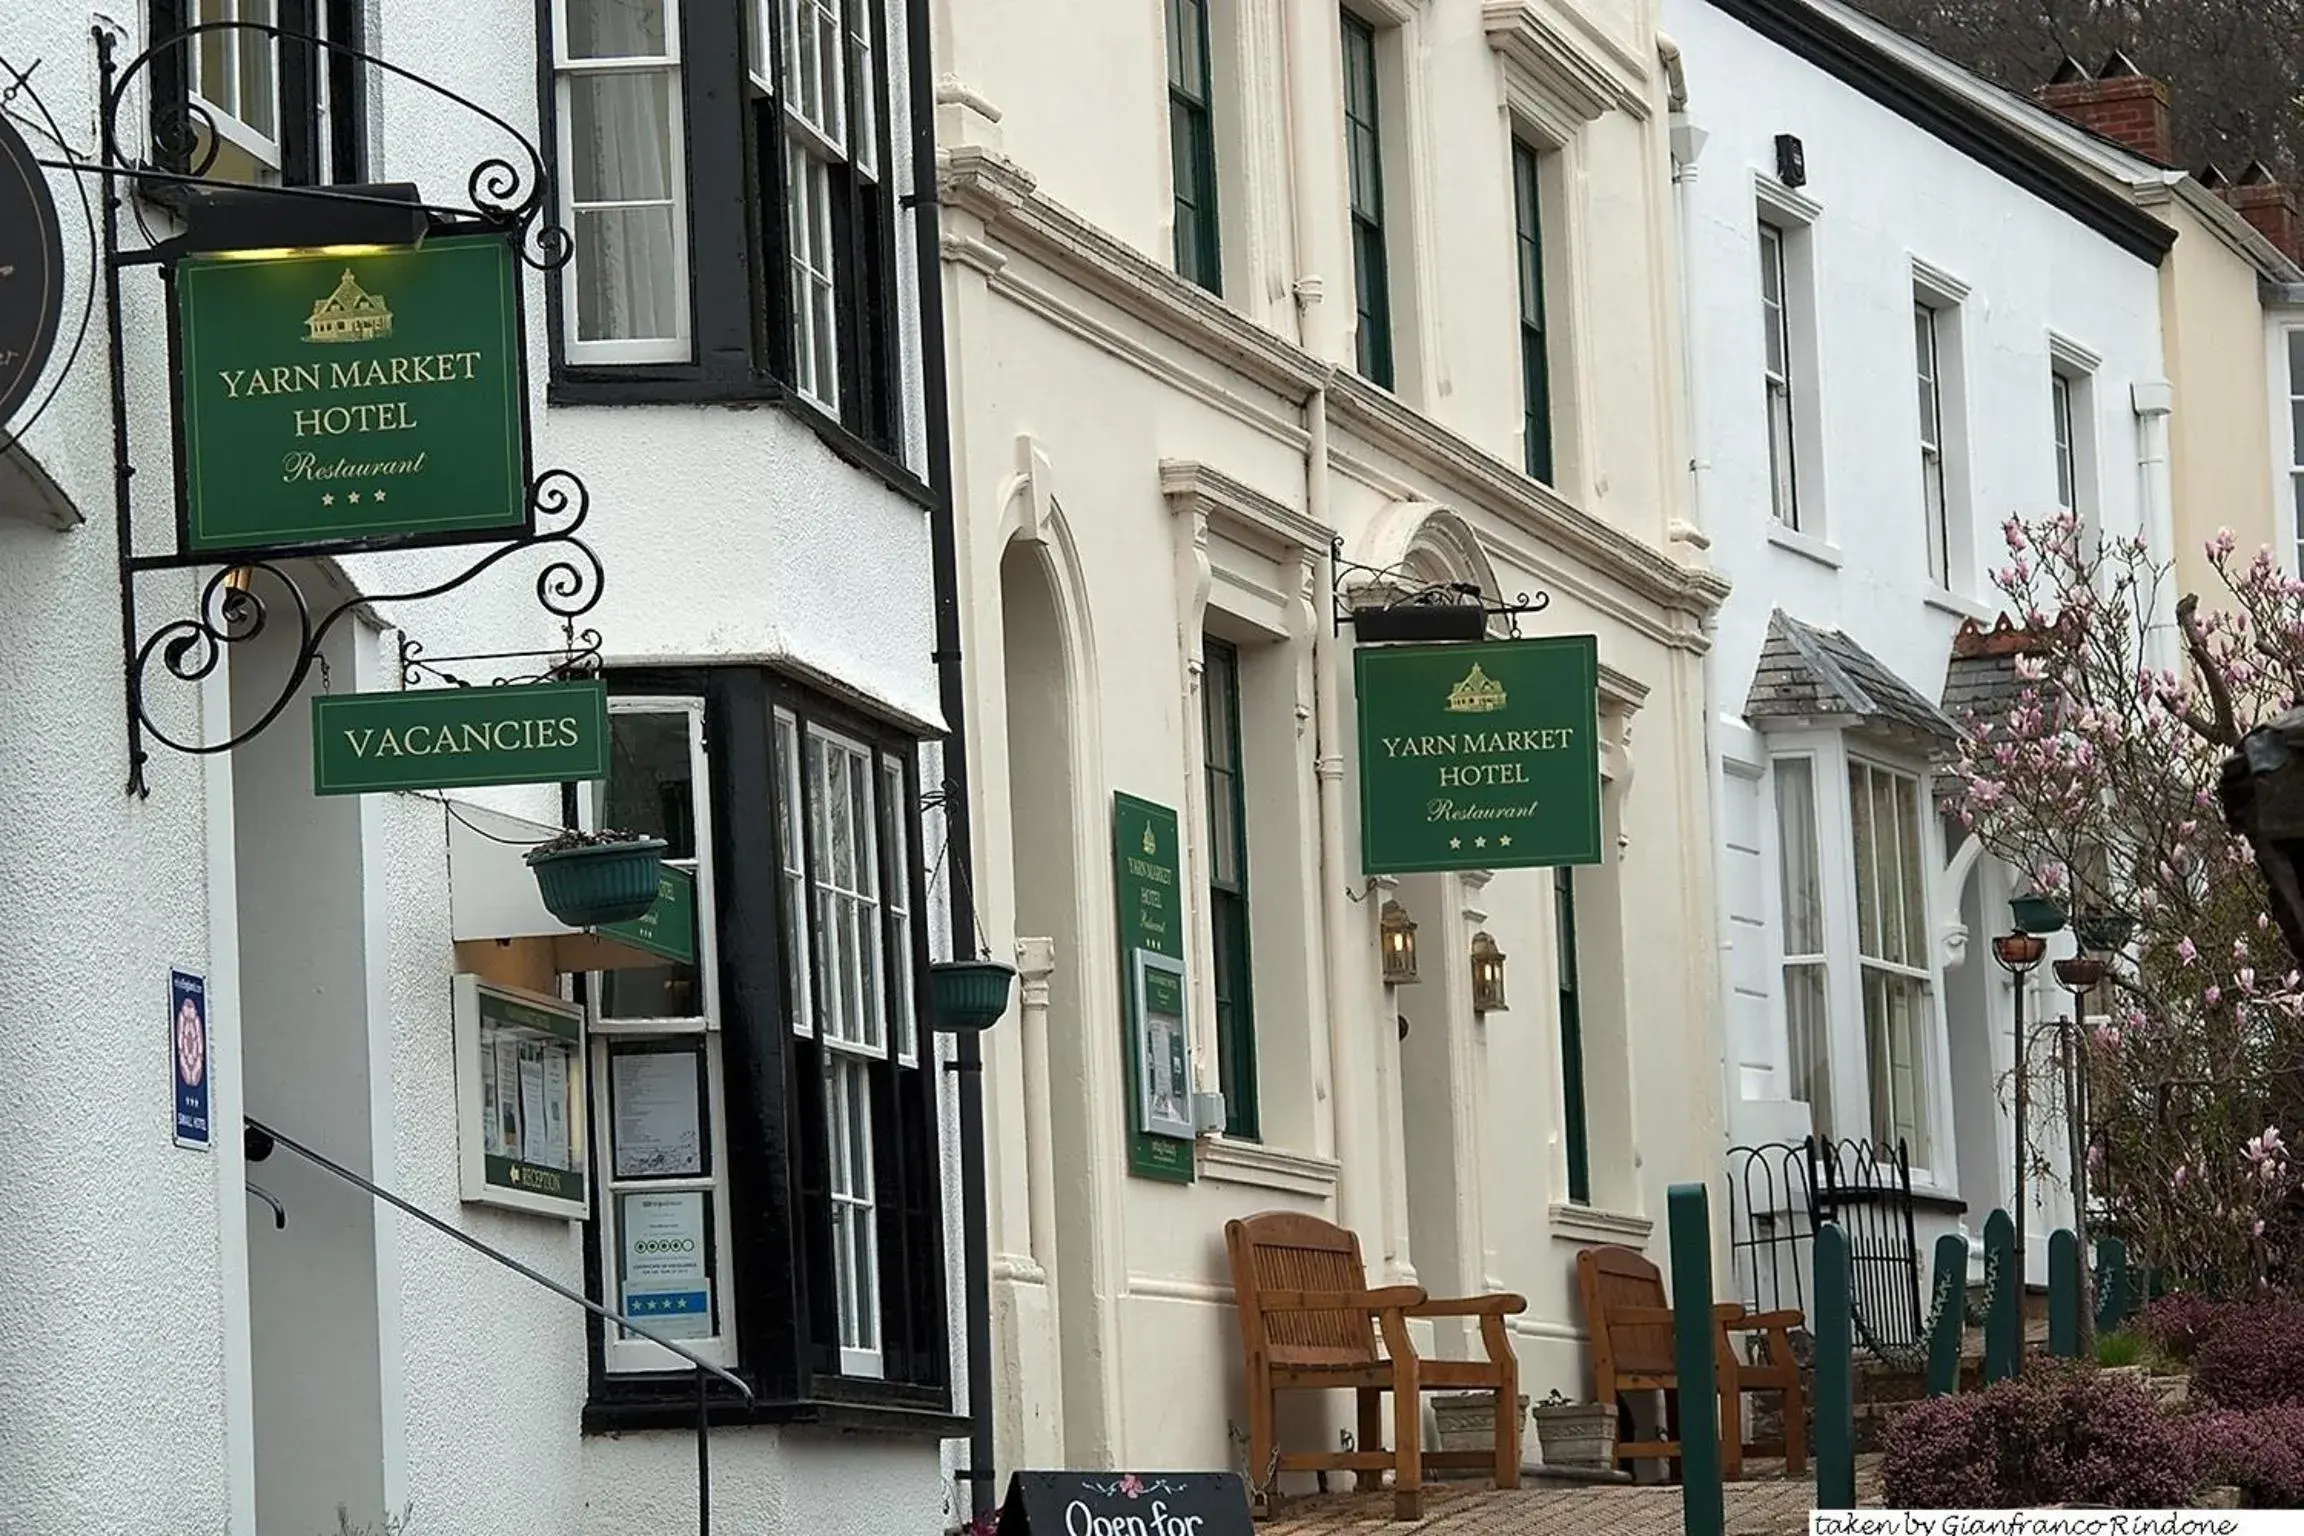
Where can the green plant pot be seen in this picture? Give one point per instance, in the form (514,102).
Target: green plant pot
(968,996)
(2037,914)
(599,883)
(2103,931)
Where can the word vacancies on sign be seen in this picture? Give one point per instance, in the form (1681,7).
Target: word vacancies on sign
(340,402)
(456,738)
(1479,756)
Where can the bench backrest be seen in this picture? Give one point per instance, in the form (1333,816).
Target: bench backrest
(1612,1279)
(1288,1251)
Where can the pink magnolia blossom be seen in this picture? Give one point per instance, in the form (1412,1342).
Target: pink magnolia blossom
(2187,951)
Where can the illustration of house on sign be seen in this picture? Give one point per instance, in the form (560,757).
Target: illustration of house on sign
(351,313)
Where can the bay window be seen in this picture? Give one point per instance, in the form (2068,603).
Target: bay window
(724,168)
(233,103)
(1863,1031)
(1892,943)
(766,1112)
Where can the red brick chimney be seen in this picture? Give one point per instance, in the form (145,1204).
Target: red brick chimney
(2120,102)
(2271,207)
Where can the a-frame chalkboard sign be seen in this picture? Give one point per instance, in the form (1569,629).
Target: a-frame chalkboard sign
(1126,1504)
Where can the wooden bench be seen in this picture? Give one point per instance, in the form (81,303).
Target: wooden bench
(1634,1350)
(1310,1323)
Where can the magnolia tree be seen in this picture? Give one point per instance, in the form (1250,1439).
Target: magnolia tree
(2100,785)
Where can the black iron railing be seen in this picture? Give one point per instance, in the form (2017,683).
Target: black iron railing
(1779,1193)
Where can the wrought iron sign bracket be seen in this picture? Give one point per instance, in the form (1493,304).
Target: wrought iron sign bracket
(577,657)
(238,601)
(1413,609)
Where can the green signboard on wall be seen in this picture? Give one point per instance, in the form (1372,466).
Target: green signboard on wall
(1479,756)
(668,928)
(456,738)
(351,401)
(1148,872)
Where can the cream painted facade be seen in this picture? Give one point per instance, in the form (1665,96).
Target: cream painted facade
(1141,467)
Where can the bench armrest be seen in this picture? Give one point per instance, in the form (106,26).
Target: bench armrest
(1757,1322)
(1503,1304)
(1388,1298)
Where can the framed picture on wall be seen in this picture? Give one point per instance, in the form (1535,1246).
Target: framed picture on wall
(1163,1047)
(520,1096)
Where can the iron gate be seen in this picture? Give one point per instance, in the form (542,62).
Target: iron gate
(1780,1192)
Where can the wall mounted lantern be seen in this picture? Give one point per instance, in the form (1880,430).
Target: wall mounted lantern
(1487,975)
(1399,941)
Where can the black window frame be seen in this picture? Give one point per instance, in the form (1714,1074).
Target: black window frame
(1371,258)
(783,1311)
(736,204)
(1535,330)
(1198,236)
(307,159)
(1232,952)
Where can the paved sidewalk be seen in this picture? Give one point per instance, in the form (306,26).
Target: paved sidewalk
(1765,1506)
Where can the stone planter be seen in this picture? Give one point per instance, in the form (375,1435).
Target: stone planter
(1466,1421)
(1579,1435)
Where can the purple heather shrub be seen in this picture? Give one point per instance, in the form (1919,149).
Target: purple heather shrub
(2179,1321)
(2261,1452)
(2055,1435)
(2251,1355)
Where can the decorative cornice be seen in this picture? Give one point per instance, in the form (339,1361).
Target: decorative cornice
(1584,75)
(1621,689)
(1016,216)
(1007,199)
(1490,485)
(1238,509)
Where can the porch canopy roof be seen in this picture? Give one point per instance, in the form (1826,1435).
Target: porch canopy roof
(1809,674)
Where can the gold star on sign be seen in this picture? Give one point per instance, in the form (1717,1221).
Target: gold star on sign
(328,499)
(1455,842)
(1479,842)
(1504,842)
(354,498)
(379,496)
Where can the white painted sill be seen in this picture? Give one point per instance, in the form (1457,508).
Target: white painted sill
(1806,545)
(1587,1224)
(1959,607)
(1225,1161)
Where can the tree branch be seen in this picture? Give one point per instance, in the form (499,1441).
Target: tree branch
(2227,728)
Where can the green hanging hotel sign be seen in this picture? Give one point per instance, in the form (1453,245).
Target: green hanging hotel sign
(1148,880)
(459,738)
(667,929)
(1479,756)
(337,402)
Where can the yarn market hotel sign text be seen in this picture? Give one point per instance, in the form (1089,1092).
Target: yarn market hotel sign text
(1479,756)
(347,401)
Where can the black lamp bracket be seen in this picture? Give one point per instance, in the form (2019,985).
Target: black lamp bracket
(1406,595)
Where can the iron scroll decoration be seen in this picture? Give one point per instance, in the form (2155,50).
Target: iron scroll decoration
(1410,593)
(254,591)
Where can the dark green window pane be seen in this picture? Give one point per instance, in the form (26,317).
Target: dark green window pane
(1228,887)
(1535,350)
(1572,1118)
(1364,158)
(1192,146)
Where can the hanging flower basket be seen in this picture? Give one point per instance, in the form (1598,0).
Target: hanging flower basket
(2103,930)
(591,878)
(968,996)
(2038,914)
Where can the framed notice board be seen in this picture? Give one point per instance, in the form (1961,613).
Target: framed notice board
(520,1095)
(1148,876)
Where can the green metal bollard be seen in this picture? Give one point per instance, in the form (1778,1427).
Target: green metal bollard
(2004,1316)
(2114,1300)
(1835,1373)
(1951,1315)
(2064,1294)
(1703,1496)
